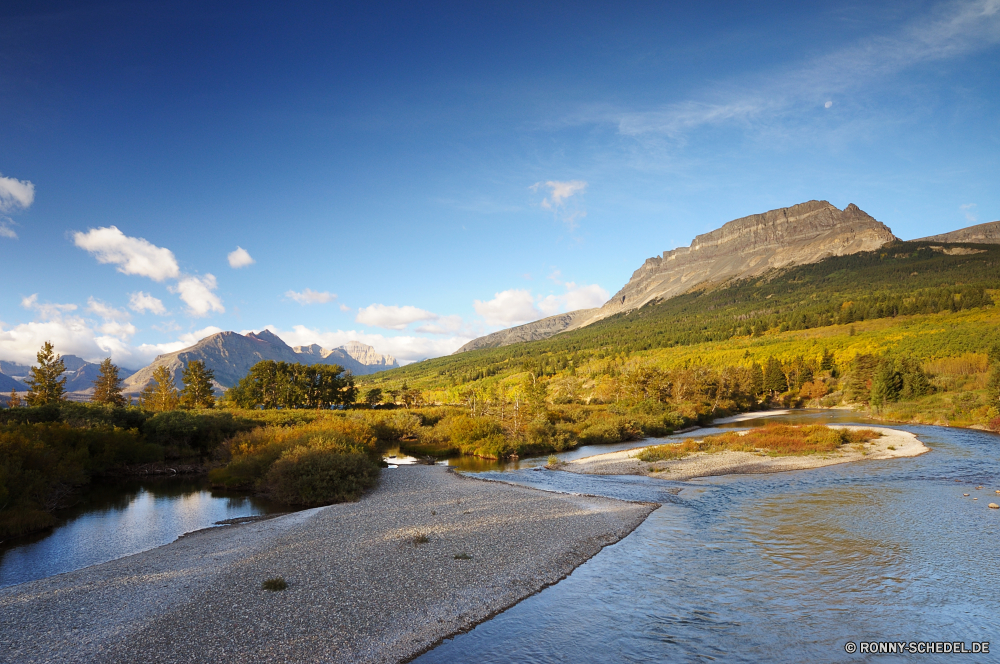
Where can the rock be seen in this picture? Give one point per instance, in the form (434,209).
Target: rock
(978,488)
(994,506)
(745,247)
(965,494)
(988,233)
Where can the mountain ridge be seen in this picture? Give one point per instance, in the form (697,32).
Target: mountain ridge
(230,356)
(744,247)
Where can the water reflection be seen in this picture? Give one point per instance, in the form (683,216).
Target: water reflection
(115,519)
(781,567)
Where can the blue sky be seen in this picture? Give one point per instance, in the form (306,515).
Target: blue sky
(413,175)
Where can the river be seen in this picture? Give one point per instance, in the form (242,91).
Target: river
(784,567)
(115,519)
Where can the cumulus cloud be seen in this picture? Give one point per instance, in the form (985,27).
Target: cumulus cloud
(140,302)
(197,294)
(186,340)
(15,194)
(392,317)
(132,255)
(405,348)
(240,258)
(105,310)
(509,307)
(46,310)
(518,306)
(309,296)
(575,297)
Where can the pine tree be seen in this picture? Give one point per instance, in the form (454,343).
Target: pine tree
(160,394)
(45,385)
(14,400)
(774,378)
(108,386)
(197,392)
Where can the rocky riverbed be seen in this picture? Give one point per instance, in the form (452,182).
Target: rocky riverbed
(427,554)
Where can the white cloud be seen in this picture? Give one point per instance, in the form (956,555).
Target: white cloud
(444,325)
(950,30)
(197,293)
(575,297)
(404,348)
(509,307)
(5,228)
(15,194)
(240,258)
(105,310)
(392,317)
(344,307)
(118,329)
(309,296)
(187,340)
(132,255)
(46,310)
(142,302)
(559,193)
(970,212)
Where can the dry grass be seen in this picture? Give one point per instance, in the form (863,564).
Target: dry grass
(775,440)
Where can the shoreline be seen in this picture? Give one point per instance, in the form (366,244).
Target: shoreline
(362,584)
(705,464)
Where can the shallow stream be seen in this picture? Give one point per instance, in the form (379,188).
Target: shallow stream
(785,567)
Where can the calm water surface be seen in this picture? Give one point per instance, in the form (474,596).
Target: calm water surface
(113,520)
(782,567)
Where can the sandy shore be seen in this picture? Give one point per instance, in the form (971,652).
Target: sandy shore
(360,588)
(727,463)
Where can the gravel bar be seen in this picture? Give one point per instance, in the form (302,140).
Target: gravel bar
(361,588)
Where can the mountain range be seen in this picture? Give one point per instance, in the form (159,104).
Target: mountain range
(230,355)
(79,376)
(745,247)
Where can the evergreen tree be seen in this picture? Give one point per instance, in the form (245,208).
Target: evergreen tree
(108,386)
(373,397)
(197,392)
(45,384)
(993,385)
(826,362)
(14,400)
(775,381)
(887,383)
(756,380)
(160,394)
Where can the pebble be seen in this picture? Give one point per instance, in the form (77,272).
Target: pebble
(994,506)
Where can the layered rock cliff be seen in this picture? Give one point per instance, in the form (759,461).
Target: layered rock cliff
(988,233)
(745,247)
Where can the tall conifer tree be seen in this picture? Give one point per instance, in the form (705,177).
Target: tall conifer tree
(197,392)
(46,385)
(160,394)
(108,386)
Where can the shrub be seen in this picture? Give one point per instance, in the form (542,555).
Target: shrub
(275,584)
(316,476)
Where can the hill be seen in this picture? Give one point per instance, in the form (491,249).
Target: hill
(745,247)
(902,281)
(231,355)
(988,233)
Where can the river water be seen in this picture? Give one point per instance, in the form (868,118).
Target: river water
(116,519)
(785,567)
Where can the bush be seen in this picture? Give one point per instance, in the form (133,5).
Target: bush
(310,476)
(200,432)
(329,460)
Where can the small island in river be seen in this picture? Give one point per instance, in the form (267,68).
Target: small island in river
(764,450)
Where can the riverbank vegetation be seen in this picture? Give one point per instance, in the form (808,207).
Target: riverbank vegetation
(773,440)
